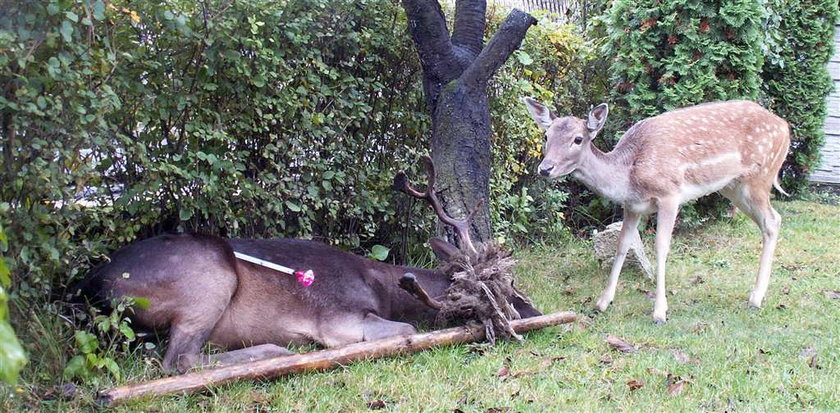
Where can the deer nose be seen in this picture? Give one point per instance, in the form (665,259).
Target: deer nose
(546,170)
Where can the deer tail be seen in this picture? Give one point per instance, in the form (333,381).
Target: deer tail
(779,187)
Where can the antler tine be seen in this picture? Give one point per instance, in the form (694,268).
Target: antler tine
(401,184)
(461,227)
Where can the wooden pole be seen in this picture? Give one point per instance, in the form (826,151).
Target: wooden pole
(319,360)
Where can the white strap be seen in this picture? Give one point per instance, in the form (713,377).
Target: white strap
(264,263)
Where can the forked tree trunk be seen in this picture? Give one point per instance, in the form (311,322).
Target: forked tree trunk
(456,70)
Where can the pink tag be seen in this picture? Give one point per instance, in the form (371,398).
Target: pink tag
(305,278)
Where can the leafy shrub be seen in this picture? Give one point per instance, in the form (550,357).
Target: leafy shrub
(552,65)
(112,335)
(800,39)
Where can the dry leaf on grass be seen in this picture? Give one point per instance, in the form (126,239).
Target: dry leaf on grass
(676,387)
(681,357)
(696,280)
(376,404)
(657,372)
(548,362)
(812,362)
(648,293)
(635,384)
(620,344)
(504,371)
(832,295)
(606,359)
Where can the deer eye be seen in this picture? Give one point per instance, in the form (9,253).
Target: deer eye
(578,140)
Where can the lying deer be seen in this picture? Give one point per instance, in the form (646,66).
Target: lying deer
(199,292)
(735,148)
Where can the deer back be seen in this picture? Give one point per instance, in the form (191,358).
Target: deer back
(700,149)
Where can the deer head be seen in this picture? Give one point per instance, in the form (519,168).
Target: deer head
(482,283)
(567,139)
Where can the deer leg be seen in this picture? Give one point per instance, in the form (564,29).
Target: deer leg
(770,222)
(639,249)
(184,349)
(666,216)
(755,203)
(375,327)
(353,328)
(244,355)
(628,228)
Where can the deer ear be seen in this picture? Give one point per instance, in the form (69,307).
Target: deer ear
(541,114)
(597,118)
(444,251)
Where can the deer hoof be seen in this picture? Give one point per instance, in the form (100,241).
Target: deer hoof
(602,305)
(659,319)
(755,302)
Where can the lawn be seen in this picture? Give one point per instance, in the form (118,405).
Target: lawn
(714,354)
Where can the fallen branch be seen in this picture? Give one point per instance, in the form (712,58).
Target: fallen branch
(319,360)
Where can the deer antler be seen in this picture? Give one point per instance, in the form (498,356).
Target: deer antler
(408,282)
(461,227)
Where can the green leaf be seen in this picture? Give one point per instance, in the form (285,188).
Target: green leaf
(126,330)
(66,31)
(99,10)
(112,367)
(524,58)
(185,214)
(142,303)
(5,275)
(86,342)
(74,367)
(379,252)
(72,16)
(293,206)
(12,357)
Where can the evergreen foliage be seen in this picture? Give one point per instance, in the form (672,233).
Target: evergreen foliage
(674,53)
(800,43)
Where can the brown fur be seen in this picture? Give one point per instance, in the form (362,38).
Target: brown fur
(199,292)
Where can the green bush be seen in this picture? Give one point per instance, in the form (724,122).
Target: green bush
(674,53)
(800,40)
(551,65)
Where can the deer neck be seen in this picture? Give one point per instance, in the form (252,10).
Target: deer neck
(607,174)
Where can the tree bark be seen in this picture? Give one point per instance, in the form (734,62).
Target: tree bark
(319,360)
(456,71)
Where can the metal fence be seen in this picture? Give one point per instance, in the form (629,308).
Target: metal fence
(560,7)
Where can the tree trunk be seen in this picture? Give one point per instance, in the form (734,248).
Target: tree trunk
(456,70)
(461,154)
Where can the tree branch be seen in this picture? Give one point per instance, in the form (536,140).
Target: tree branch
(500,47)
(428,30)
(468,31)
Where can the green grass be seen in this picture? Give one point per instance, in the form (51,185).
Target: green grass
(738,358)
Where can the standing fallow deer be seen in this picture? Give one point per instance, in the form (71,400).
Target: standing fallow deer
(200,292)
(735,148)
